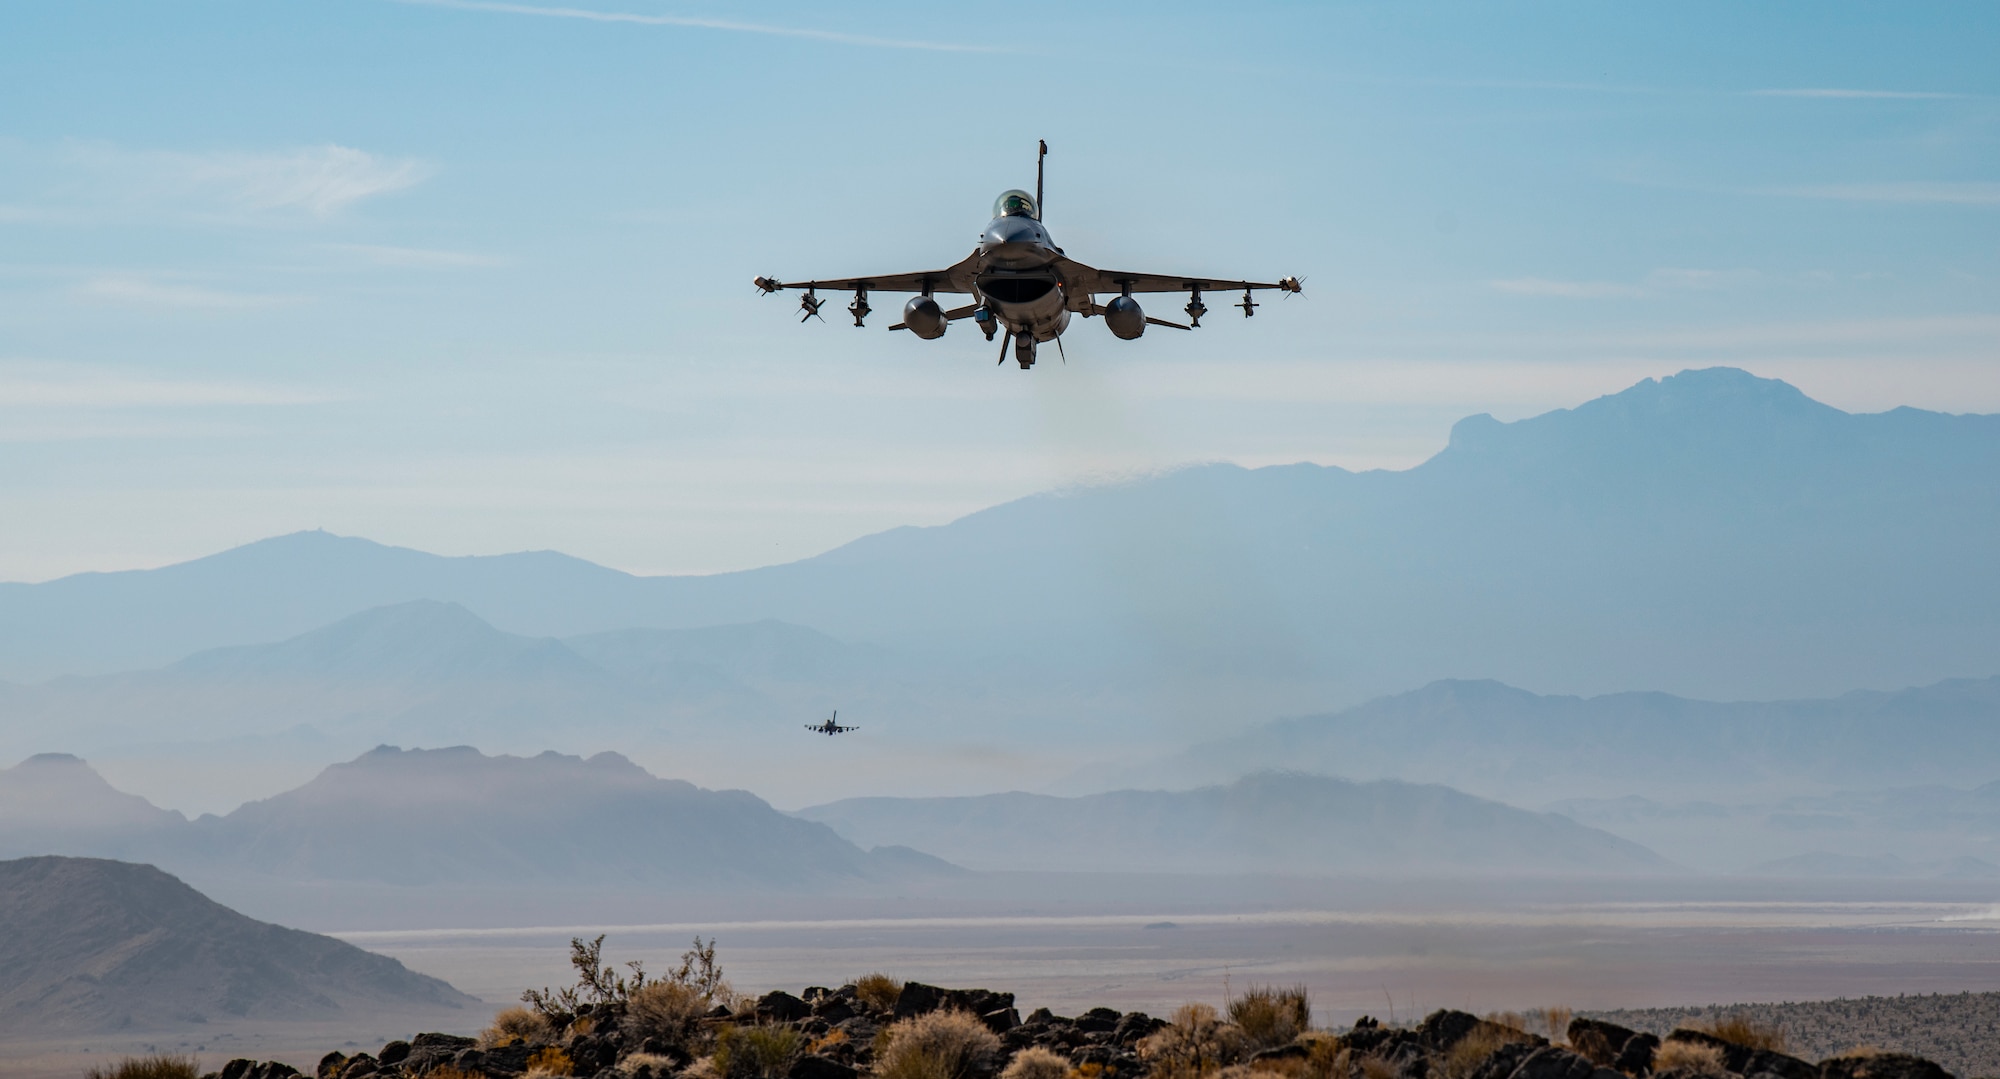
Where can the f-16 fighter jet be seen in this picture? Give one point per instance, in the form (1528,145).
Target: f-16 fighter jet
(831,726)
(1024,287)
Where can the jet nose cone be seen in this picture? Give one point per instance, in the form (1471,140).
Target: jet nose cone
(1016,243)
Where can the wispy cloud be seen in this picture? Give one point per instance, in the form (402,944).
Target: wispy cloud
(418,257)
(1835,92)
(62,385)
(314,181)
(132,290)
(1663,280)
(832,36)
(1569,290)
(1961,193)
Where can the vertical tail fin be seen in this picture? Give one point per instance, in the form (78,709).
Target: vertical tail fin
(1038,177)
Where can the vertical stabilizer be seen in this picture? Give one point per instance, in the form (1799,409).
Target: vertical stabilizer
(1038,177)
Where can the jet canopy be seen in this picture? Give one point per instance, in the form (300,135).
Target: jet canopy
(1015,203)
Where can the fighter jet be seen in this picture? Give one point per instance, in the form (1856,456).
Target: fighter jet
(1023,286)
(831,726)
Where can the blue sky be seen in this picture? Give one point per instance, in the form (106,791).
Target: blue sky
(474,277)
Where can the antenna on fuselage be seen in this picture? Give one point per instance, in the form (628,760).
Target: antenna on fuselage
(1038,177)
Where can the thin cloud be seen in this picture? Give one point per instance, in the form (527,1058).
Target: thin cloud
(1834,92)
(318,181)
(832,36)
(56,385)
(419,257)
(1569,290)
(1964,193)
(135,291)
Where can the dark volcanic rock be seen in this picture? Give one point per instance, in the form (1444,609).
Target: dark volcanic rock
(394,1053)
(1746,1061)
(1882,1066)
(812,1066)
(778,1006)
(918,999)
(1445,1028)
(1600,1041)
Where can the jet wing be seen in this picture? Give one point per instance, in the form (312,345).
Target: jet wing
(956,278)
(1087,280)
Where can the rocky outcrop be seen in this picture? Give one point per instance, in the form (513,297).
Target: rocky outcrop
(835,1032)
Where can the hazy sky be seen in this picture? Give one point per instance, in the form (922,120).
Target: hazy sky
(475,277)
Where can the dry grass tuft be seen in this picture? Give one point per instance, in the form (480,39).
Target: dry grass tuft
(661,1065)
(1036,1062)
(1270,1016)
(1551,1023)
(1741,1030)
(1689,1057)
(669,1011)
(550,1061)
(1374,1067)
(1477,1047)
(939,1045)
(878,990)
(827,1041)
(517,1025)
(452,1071)
(1197,1041)
(759,1052)
(156,1066)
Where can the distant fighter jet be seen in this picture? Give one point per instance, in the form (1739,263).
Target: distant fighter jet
(831,726)
(1021,282)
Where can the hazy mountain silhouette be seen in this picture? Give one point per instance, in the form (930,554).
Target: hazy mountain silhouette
(1272,822)
(421,670)
(457,816)
(93,946)
(54,803)
(1710,533)
(1503,742)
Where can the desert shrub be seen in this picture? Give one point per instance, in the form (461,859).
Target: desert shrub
(1272,1016)
(549,1061)
(1326,1058)
(878,991)
(1036,1062)
(631,1063)
(937,1045)
(667,1010)
(1195,1042)
(1741,1030)
(759,1052)
(1374,1067)
(1468,1053)
(1551,1023)
(156,1066)
(1511,1020)
(1689,1057)
(517,1025)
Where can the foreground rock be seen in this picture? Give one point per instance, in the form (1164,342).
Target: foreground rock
(823,1033)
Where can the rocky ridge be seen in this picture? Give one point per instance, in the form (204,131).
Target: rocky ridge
(842,1033)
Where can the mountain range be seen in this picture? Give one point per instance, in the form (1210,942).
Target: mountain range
(1502,742)
(92,946)
(459,817)
(1272,822)
(1712,533)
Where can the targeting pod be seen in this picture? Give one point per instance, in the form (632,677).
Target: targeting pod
(1125,317)
(925,318)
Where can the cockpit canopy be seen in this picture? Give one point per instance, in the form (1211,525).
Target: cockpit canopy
(1015,203)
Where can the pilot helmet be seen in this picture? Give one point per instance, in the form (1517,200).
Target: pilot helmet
(1015,203)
